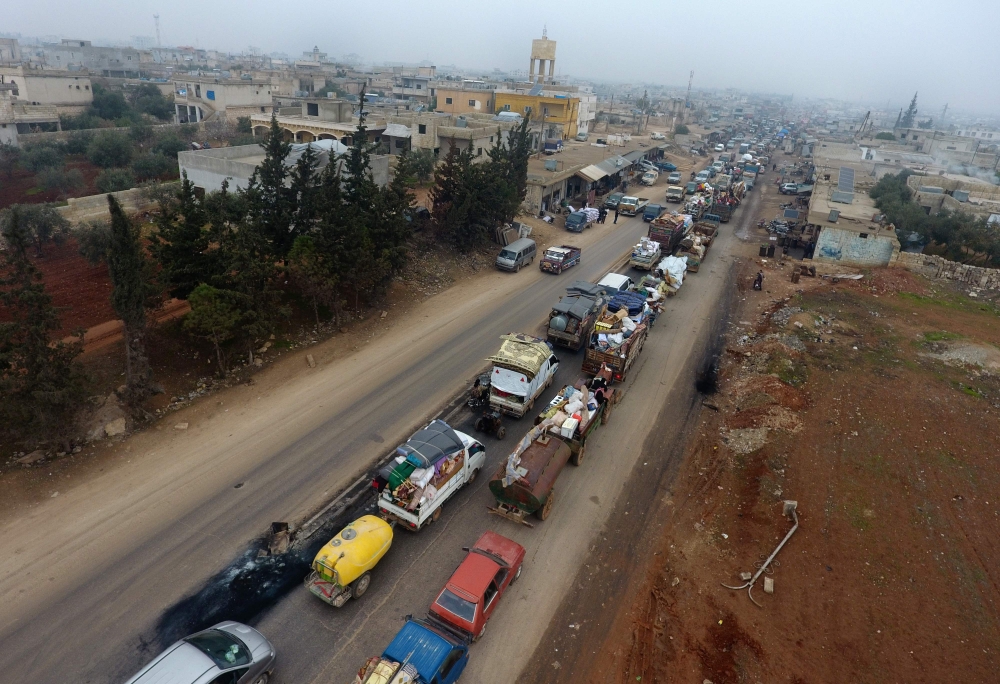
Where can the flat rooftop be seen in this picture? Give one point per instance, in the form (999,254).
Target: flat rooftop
(577,155)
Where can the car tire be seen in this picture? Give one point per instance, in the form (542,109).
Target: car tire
(481,633)
(436,515)
(472,476)
(501,432)
(577,458)
(479,425)
(360,585)
(263,679)
(517,269)
(518,573)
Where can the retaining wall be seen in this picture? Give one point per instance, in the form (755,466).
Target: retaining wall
(933,266)
(95,207)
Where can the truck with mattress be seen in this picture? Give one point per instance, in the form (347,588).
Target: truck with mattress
(572,318)
(425,472)
(618,336)
(522,368)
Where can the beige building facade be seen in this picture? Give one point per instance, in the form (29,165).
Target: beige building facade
(68,92)
(200,98)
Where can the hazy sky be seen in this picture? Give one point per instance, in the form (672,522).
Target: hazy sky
(873,50)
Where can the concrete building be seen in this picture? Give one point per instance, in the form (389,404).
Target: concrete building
(318,119)
(543,51)
(76,55)
(17,117)
(68,92)
(200,98)
(208,169)
(949,193)
(10,51)
(438,133)
(465,97)
(556,115)
(850,230)
(414,84)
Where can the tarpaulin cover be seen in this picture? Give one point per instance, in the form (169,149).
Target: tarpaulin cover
(522,352)
(510,381)
(585,288)
(675,266)
(577,306)
(430,444)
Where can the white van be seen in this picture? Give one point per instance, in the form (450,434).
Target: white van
(517,254)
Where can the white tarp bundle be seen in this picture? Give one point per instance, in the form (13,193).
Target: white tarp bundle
(591,213)
(674,267)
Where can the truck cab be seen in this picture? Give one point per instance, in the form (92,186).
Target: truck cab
(652,211)
(577,221)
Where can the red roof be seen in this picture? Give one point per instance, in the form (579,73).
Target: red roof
(474,575)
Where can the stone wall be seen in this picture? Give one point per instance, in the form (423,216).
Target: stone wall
(62,136)
(933,266)
(95,207)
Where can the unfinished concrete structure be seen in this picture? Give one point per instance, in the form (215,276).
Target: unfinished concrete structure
(542,50)
(208,169)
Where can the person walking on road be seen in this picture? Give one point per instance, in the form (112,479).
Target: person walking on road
(616,215)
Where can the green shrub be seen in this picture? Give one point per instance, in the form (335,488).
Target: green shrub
(78,142)
(169,145)
(40,156)
(114,180)
(63,180)
(110,149)
(153,165)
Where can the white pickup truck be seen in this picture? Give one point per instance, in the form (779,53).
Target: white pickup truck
(425,472)
(522,369)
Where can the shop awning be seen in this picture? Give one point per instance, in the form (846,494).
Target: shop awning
(591,173)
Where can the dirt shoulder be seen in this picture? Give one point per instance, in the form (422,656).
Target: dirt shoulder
(875,404)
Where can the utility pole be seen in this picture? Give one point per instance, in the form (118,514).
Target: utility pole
(943,113)
(607,122)
(156,20)
(687,99)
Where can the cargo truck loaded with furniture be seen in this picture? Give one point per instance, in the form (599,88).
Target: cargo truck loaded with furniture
(573,316)
(425,472)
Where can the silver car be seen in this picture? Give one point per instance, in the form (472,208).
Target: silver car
(227,653)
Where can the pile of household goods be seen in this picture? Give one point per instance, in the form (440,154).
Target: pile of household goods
(626,313)
(694,247)
(423,465)
(699,203)
(646,249)
(384,671)
(672,269)
(591,212)
(655,290)
(571,411)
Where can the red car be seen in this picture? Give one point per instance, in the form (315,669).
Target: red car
(471,595)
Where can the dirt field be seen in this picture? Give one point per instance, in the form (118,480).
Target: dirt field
(874,404)
(23,187)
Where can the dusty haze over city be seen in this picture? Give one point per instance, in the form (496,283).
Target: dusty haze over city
(874,51)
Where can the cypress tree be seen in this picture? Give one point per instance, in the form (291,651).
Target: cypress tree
(181,244)
(270,203)
(131,289)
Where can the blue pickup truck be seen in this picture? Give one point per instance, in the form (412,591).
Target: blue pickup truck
(426,650)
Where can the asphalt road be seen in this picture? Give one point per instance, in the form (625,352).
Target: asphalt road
(95,581)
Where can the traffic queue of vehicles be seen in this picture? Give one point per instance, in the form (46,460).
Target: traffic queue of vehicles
(610,321)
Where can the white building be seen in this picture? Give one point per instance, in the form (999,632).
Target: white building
(197,98)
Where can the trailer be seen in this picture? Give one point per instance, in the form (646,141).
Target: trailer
(668,231)
(524,484)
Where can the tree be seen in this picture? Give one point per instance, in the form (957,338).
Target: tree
(9,156)
(681,129)
(114,180)
(314,273)
(152,165)
(243,125)
(110,149)
(39,379)
(885,135)
(109,104)
(908,119)
(78,142)
(422,161)
(148,99)
(270,201)
(213,317)
(64,181)
(181,244)
(131,292)
(40,223)
(40,156)
(169,145)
